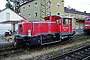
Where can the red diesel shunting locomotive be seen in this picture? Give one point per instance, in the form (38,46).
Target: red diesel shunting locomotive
(54,29)
(87,25)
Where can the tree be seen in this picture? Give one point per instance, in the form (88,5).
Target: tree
(17,7)
(8,5)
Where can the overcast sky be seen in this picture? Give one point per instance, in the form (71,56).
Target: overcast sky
(81,5)
(2,4)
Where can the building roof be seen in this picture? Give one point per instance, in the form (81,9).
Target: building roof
(67,10)
(64,16)
(14,12)
(26,2)
(10,20)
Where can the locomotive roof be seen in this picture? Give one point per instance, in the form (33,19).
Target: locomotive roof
(64,16)
(59,16)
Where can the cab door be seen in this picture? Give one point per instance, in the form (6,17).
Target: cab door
(70,25)
(66,26)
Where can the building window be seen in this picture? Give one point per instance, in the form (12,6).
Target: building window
(71,15)
(23,7)
(49,13)
(58,5)
(62,0)
(8,16)
(23,15)
(29,15)
(49,3)
(35,13)
(58,13)
(36,4)
(67,14)
(77,21)
(29,5)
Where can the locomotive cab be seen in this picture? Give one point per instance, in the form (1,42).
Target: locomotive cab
(66,27)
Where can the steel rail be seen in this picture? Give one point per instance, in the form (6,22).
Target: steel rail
(7,51)
(72,54)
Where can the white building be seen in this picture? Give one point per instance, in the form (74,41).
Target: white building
(9,20)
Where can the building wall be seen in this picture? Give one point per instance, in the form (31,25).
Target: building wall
(25,10)
(9,15)
(28,10)
(77,22)
(81,24)
(57,6)
(4,28)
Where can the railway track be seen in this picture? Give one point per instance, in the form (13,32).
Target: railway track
(8,51)
(82,53)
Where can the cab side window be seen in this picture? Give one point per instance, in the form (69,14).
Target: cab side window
(69,22)
(87,19)
(58,20)
(65,21)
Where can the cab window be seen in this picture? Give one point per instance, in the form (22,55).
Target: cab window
(65,21)
(58,20)
(48,19)
(69,22)
(87,19)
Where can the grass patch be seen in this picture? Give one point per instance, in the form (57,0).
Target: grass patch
(79,35)
(5,47)
(88,42)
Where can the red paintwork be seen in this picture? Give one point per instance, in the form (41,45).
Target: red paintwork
(44,27)
(87,23)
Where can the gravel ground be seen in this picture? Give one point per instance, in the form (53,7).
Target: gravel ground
(79,31)
(65,50)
